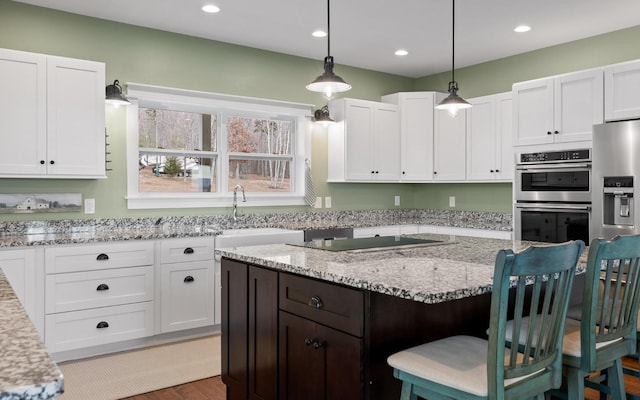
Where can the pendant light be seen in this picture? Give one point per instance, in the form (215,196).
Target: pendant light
(453,103)
(321,116)
(114,95)
(328,83)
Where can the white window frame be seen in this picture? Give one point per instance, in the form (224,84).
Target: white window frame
(148,96)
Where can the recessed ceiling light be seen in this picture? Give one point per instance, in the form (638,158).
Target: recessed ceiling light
(210,8)
(401,52)
(522,28)
(319,33)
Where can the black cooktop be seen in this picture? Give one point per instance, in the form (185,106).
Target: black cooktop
(366,243)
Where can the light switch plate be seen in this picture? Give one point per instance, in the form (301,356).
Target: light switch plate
(452,201)
(327,202)
(396,200)
(89,206)
(318,203)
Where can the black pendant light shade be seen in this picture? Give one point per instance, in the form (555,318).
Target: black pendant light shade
(453,103)
(328,83)
(114,94)
(322,116)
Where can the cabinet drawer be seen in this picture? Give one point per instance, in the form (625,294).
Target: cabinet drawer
(329,304)
(81,290)
(191,249)
(98,256)
(78,329)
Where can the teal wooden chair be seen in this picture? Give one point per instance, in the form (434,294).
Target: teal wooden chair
(465,367)
(607,329)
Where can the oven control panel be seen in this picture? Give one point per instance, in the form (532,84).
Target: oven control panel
(556,156)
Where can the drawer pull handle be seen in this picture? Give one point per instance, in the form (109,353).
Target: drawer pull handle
(316,302)
(188,279)
(102,286)
(314,342)
(308,341)
(188,250)
(102,257)
(317,345)
(102,325)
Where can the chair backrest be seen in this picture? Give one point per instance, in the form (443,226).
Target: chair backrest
(610,300)
(541,279)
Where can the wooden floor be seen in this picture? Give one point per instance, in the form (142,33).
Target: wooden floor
(214,389)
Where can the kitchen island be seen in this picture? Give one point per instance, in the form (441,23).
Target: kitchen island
(300,322)
(26,369)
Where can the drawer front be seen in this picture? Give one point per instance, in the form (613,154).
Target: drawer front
(82,290)
(189,249)
(329,304)
(79,329)
(98,256)
(187,295)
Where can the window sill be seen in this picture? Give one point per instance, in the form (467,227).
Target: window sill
(188,200)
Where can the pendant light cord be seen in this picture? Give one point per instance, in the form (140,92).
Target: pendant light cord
(453,41)
(328,30)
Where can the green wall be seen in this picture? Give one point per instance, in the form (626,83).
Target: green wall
(134,54)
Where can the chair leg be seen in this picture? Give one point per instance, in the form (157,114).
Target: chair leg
(407,392)
(575,384)
(615,380)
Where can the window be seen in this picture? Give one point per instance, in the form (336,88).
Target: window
(191,149)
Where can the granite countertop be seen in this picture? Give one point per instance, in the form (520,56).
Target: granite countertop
(460,267)
(26,369)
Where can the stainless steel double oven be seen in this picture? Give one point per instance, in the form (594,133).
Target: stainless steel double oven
(552,193)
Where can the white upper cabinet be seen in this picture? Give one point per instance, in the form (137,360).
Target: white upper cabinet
(558,109)
(489,149)
(416,133)
(449,160)
(52,116)
(621,88)
(364,143)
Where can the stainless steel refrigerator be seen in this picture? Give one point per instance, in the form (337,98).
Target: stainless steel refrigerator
(616,174)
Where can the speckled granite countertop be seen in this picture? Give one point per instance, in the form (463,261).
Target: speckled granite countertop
(462,267)
(34,233)
(26,369)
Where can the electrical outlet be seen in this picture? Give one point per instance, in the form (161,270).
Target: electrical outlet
(452,201)
(327,202)
(89,206)
(318,203)
(396,200)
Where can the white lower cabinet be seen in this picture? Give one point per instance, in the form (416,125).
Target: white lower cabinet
(19,268)
(98,294)
(187,284)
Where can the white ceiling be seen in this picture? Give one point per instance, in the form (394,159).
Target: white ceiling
(365,33)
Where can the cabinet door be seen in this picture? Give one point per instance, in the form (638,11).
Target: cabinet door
(235,329)
(505,155)
(75,117)
(449,146)
(358,125)
(533,112)
(386,143)
(317,362)
(416,137)
(578,105)
(186,295)
(622,84)
(481,139)
(23,113)
(19,268)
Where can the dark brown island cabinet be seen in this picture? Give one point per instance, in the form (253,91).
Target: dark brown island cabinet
(289,337)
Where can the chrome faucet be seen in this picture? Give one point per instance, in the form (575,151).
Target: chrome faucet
(235,200)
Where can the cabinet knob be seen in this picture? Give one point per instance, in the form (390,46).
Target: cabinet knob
(102,286)
(308,341)
(556,132)
(102,257)
(548,132)
(102,325)
(316,302)
(377,172)
(373,172)
(497,170)
(435,172)
(188,279)
(52,162)
(403,172)
(188,250)
(490,170)
(42,162)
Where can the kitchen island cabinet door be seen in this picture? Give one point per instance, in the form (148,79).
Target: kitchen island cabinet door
(318,362)
(249,331)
